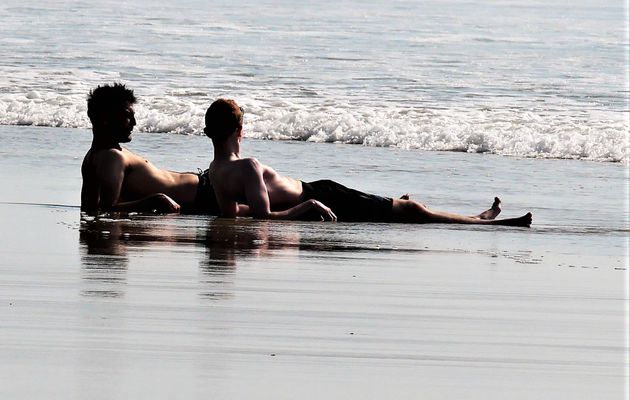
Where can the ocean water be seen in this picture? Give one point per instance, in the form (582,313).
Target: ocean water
(539,79)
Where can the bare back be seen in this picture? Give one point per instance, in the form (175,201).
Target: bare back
(232,180)
(283,191)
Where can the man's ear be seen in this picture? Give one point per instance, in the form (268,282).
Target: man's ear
(103,117)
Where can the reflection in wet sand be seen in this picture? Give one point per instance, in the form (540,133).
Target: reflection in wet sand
(227,240)
(216,245)
(201,301)
(108,242)
(103,258)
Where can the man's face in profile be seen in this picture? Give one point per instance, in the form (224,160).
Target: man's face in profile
(122,121)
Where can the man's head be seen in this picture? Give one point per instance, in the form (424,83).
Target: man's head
(223,118)
(110,108)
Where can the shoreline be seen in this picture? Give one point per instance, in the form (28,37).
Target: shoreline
(185,306)
(393,148)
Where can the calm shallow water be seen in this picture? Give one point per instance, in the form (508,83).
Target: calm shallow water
(564,195)
(581,215)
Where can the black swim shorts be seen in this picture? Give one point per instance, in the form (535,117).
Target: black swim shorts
(205,201)
(349,205)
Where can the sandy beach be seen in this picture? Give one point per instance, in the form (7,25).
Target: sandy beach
(196,307)
(451,101)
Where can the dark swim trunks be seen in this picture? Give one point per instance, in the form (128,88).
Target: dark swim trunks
(349,205)
(205,201)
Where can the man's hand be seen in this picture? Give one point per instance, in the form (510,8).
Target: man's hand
(158,203)
(324,212)
(162,204)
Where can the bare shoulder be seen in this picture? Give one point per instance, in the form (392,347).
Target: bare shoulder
(250,165)
(108,155)
(250,162)
(97,162)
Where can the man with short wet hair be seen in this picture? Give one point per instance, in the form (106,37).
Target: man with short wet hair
(116,179)
(269,195)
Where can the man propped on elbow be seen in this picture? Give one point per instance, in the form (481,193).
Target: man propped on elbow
(246,187)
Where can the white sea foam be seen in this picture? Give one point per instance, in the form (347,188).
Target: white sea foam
(599,137)
(504,132)
(519,78)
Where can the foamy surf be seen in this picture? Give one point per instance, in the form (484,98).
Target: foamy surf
(596,136)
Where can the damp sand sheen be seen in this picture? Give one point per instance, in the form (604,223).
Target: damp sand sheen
(188,307)
(454,102)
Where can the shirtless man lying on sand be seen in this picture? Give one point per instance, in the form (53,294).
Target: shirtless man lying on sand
(115,179)
(239,181)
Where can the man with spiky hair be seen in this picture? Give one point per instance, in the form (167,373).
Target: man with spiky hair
(115,179)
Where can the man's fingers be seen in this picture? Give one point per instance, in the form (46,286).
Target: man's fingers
(174,207)
(328,215)
(331,215)
(325,213)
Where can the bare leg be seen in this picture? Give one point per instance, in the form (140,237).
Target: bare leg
(492,212)
(410,211)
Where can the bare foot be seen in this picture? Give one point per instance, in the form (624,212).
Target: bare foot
(525,220)
(492,212)
(405,196)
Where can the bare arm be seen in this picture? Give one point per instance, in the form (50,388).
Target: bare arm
(239,210)
(229,208)
(89,195)
(156,203)
(103,191)
(242,210)
(109,173)
(258,198)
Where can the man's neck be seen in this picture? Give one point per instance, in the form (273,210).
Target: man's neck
(227,150)
(100,142)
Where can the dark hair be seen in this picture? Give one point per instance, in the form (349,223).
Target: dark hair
(108,97)
(223,117)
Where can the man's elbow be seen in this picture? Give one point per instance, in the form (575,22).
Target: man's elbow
(242,211)
(228,212)
(89,209)
(105,207)
(263,214)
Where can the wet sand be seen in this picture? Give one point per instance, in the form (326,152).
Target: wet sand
(192,307)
